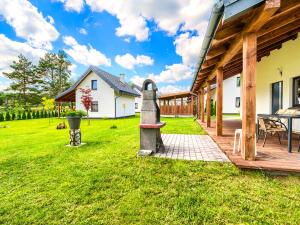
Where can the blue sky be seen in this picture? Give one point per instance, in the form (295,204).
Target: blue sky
(140,38)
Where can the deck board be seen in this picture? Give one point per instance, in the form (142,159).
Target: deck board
(272,157)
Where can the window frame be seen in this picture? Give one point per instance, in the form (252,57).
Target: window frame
(235,104)
(93,104)
(293,92)
(238,81)
(136,105)
(92,87)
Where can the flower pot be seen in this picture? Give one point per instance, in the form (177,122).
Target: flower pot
(74,122)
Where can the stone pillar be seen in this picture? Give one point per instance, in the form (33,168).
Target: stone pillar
(75,137)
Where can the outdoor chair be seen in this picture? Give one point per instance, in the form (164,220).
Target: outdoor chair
(267,126)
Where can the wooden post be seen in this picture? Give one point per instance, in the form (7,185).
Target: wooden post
(219,116)
(199,105)
(192,106)
(249,96)
(181,106)
(175,107)
(59,109)
(202,106)
(208,99)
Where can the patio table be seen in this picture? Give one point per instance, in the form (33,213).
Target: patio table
(289,118)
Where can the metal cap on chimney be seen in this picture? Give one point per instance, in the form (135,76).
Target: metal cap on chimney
(122,77)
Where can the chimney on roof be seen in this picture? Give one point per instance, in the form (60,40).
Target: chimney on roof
(122,77)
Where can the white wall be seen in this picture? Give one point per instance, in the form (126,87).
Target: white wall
(230,92)
(104,95)
(138,101)
(287,58)
(125,106)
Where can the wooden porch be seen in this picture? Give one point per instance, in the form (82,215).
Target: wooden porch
(273,157)
(177,104)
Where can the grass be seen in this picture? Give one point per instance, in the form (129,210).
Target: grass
(103,182)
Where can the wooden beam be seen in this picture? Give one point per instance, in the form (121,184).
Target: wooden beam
(219,106)
(208,109)
(193,102)
(202,106)
(259,19)
(199,106)
(175,106)
(249,96)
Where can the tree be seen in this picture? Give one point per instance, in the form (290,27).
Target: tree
(86,100)
(24,79)
(48,105)
(55,70)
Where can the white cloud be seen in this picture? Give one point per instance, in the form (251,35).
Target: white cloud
(83,54)
(170,15)
(128,61)
(172,88)
(83,31)
(72,5)
(28,23)
(9,51)
(171,74)
(188,47)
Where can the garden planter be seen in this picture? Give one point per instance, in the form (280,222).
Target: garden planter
(74,122)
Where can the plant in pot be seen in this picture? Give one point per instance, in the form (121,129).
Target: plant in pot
(74,118)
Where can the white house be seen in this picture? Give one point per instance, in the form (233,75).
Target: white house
(138,99)
(231,94)
(112,96)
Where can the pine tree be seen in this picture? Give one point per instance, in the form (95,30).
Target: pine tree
(37,114)
(55,70)
(33,115)
(23,77)
(19,117)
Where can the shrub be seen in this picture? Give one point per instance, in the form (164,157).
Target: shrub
(76,113)
(33,115)
(113,127)
(56,113)
(53,113)
(37,115)
(7,116)
(24,115)
(29,117)
(13,116)
(19,116)
(1,117)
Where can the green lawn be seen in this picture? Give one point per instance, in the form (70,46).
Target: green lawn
(103,182)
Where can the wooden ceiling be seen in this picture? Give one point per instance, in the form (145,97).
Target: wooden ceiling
(70,97)
(283,25)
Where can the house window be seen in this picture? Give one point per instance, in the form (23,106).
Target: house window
(237,102)
(296,91)
(94,85)
(136,105)
(238,81)
(94,107)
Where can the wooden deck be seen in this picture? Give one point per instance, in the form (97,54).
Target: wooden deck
(273,157)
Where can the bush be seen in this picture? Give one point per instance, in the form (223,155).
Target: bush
(1,117)
(33,115)
(113,127)
(56,113)
(29,117)
(13,116)
(53,113)
(37,115)
(24,116)
(7,116)
(76,113)
(19,116)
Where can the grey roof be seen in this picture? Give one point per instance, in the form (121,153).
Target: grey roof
(113,81)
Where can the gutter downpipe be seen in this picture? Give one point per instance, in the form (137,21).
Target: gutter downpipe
(116,105)
(215,18)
